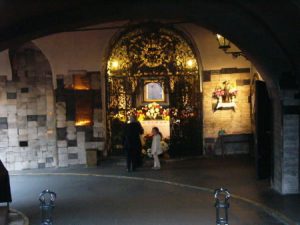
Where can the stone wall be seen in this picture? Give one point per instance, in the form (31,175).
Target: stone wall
(72,140)
(27,128)
(236,121)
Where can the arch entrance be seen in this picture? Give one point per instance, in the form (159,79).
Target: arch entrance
(153,74)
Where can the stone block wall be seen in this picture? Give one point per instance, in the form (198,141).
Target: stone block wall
(27,131)
(72,140)
(27,127)
(236,121)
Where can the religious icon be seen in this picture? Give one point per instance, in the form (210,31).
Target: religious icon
(153,92)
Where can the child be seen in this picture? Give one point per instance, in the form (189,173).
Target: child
(156,147)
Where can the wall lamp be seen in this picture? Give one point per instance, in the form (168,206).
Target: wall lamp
(224,44)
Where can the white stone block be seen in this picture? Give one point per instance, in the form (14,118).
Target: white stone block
(23,137)
(60,108)
(3,144)
(3,111)
(12,132)
(10,166)
(80,136)
(61,144)
(63,160)
(22,131)
(71,123)
(4,132)
(11,109)
(73,149)
(31,124)
(18,166)
(61,124)
(32,111)
(34,144)
(71,136)
(62,151)
(22,112)
(13,142)
(32,133)
(33,164)
(12,125)
(12,118)
(52,150)
(3,136)
(71,129)
(82,157)
(3,156)
(10,157)
(42,131)
(73,161)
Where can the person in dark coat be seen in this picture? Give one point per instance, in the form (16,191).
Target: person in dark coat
(5,193)
(132,143)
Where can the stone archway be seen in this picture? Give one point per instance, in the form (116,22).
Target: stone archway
(155,54)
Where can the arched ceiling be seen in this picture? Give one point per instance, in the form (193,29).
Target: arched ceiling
(268,32)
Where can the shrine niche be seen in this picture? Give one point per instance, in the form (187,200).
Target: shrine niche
(152,65)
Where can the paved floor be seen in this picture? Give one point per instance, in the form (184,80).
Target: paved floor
(109,195)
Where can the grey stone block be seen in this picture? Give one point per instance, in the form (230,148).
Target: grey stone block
(73,156)
(49,160)
(41,165)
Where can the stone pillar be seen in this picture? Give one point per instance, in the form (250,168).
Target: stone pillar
(290,145)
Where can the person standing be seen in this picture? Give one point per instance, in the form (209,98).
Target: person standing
(156,147)
(132,143)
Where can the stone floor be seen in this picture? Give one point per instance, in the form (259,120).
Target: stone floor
(180,193)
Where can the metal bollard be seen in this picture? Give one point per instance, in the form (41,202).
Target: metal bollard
(47,199)
(222,206)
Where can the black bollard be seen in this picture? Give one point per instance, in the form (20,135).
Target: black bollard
(47,199)
(222,206)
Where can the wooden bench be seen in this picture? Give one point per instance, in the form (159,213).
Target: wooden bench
(235,138)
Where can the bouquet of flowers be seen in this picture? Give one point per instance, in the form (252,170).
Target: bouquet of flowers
(219,92)
(153,111)
(227,92)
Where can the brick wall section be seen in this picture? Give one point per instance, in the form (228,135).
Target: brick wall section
(233,122)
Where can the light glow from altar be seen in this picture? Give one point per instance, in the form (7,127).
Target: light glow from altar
(83,123)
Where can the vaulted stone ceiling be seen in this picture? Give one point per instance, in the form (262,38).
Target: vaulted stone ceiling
(266,31)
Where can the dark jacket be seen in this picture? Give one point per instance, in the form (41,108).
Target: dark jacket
(132,141)
(5,195)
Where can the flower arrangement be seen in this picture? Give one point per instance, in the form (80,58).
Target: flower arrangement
(120,117)
(164,146)
(152,111)
(227,92)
